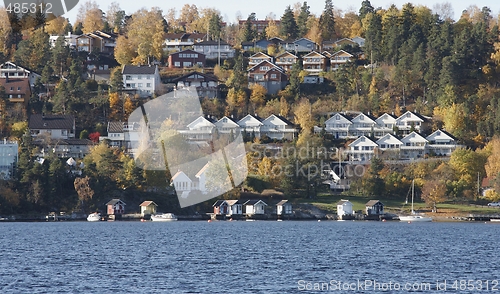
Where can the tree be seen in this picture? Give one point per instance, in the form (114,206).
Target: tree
(303,115)
(258,95)
(366,8)
(188,15)
(288,27)
(272,30)
(302,19)
(124,50)
(93,21)
(57,26)
(434,192)
(249,31)
(84,191)
(327,22)
(214,27)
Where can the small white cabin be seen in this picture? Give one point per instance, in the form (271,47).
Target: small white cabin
(284,208)
(254,207)
(344,208)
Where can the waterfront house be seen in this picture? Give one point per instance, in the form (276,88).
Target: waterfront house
(143,80)
(374,207)
(254,207)
(186,58)
(235,207)
(221,207)
(284,208)
(344,209)
(115,207)
(148,207)
(414,146)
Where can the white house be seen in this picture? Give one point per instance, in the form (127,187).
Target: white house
(142,79)
(202,179)
(201,129)
(344,208)
(69,40)
(181,182)
(362,149)
(414,146)
(13,71)
(235,207)
(148,207)
(362,125)
(409,120)
(278,127)
(251,124)
(227,125)
(441,143)
(254,207)
(389,142)
(385,125)
(338,125)
(8,158)
(284,208)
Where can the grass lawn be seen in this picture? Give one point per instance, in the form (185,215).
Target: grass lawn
(328,202)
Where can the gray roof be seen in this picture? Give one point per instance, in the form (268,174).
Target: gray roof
(253,202)
(373,202)
(218,203)
(51,122)
(115,127)
(342,202)
(138,70)
(114,201)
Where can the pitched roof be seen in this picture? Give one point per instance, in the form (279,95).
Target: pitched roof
(373,202)
(219,203)
(202,170)
(148,203)
(342,202)
(178,174)
(139,70)
(206,77)
(115,127)
(282,202)
(253,202)
(54,122)
(115,201)
(233,202)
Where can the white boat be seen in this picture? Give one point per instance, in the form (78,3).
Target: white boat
(163,217)
(414,217)
(94,217)
(495,220)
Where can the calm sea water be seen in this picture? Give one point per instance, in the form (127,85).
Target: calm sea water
(247,257)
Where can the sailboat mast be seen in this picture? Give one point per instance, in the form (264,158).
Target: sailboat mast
(412,195)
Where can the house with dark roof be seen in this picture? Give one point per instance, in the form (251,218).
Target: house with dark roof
(284,207)
(121,134)
(207,86)
(235,207)
(251,124)
(97,41)
(411,121)
(143,80)
(115,207)
(57,126)
(186,58)
(441,143)
(221,207)
(374,207)
(286,60)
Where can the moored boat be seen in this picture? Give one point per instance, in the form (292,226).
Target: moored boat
(163,217)
(414,217)
(94,217)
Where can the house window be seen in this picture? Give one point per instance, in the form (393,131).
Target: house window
(139,77)
(148,85)
(19,88)
(273,76)
(139,85)
(128,77)
(177,64)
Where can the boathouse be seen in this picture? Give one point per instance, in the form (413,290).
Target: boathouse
(284,208)
(374,207)
(344,209)
(221,207)
(148,207)
(235,207)
(115,207)
(254,207)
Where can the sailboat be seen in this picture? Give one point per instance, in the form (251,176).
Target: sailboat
(414,217)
